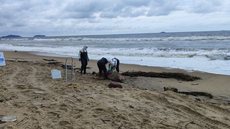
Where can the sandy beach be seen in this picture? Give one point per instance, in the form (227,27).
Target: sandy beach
(28,92)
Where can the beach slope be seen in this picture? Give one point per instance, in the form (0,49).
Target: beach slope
(28,92)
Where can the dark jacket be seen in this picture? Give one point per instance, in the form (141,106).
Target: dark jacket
(102,61)
(84,56)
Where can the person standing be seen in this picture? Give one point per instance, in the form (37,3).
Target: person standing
(83,57)
(102,66)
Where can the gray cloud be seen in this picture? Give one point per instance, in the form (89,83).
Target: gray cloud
(202,6)
(91,16)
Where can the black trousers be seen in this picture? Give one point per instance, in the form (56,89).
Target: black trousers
(102,68)
(83,66)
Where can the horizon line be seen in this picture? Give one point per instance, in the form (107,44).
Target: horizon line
(115,33)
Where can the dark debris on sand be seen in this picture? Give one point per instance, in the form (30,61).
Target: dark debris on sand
(193,93)
(178,76)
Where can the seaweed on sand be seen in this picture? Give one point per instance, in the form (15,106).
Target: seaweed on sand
(196,93)
(178,76)
(193,93)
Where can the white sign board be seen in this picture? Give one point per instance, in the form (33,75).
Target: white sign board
(56,74)
(2,59)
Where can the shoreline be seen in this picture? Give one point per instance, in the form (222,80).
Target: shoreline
(48,55)
(207,79)
(144,65)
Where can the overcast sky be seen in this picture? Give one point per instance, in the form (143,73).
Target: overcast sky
(77,17)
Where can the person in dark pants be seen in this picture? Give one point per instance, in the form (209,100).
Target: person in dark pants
(83,54)
(114,64)
(102,66)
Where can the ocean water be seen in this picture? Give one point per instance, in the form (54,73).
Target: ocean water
(202,51)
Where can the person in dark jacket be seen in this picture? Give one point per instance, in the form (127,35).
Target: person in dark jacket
(114,64)
(102,66)
(83,57)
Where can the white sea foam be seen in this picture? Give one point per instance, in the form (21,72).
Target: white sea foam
(95,38)
(190,38)
(173,59)
(130,52)
(197,63)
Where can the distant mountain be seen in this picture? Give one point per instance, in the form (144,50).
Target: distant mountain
(11,36)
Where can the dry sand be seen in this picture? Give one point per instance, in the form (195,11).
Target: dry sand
(28,92)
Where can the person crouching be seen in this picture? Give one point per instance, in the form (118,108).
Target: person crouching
(114,64)
(102,67)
